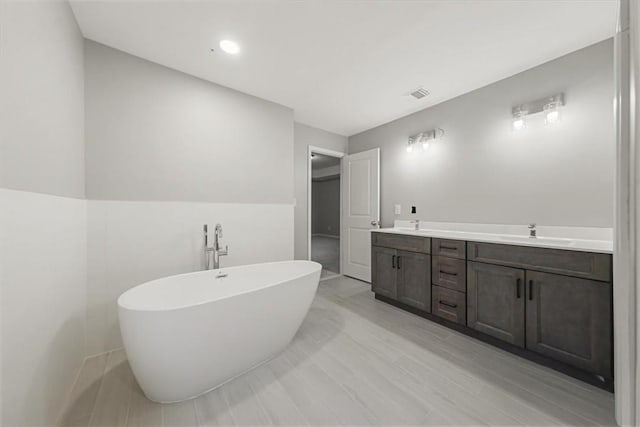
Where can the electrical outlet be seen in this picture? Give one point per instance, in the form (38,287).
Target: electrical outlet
(398,209)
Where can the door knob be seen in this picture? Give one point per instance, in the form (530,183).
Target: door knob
(375,223)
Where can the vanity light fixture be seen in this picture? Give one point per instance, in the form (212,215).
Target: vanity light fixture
(424,139)
(549,105)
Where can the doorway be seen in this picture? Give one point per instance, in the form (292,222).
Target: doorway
(325,210)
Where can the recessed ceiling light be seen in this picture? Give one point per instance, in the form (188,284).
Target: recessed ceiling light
(230,47)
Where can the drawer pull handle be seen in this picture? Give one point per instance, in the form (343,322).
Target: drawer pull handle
(393,261)
(447,273)
(448,304)
(450,248)
(530,290)
(518,288)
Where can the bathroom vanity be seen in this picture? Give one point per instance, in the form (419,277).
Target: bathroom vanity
(544,299)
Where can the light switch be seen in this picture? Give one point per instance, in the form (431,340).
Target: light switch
(398,209)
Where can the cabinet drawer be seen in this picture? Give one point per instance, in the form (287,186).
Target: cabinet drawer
(402,242)
(449,304)
(586,265)
(449,248)
(449,273)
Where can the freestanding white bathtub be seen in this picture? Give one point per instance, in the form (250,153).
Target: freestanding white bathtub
(187,334)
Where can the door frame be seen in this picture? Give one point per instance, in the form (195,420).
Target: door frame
(312,149)
(626,257)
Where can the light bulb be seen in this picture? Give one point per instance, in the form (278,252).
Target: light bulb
(409,148)
(552,117)
(518,123)
(552,113)
(425,146)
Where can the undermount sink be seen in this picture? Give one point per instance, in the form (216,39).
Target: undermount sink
(548,240)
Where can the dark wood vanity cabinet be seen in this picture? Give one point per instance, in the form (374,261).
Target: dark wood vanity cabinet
(495,303)
(587,265)
(449,280)
(566,316)
(449,304)
(403,275)
(449,273)
(569,319)
(414,285)
(384,275)
(553,306)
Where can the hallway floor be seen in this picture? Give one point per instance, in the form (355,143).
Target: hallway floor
(356,361)
(326,251)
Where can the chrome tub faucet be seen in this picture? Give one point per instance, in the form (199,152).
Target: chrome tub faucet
(532,231)
(217,252)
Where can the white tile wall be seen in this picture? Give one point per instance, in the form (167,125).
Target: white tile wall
(133,242)
(43,300)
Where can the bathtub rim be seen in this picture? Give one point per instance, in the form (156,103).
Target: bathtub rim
(208,301)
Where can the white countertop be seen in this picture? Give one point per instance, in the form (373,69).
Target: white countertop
(584,239)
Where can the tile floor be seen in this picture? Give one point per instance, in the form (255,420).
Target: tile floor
(326,251)
(356,361)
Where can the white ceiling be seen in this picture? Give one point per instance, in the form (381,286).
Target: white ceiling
(345,66)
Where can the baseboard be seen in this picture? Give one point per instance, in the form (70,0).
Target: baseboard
(67,402)
(331,236)
(330,277)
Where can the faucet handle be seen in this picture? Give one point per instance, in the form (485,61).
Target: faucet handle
(532,226)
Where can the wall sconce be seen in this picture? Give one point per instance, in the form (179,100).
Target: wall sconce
(424,139)
(549,105)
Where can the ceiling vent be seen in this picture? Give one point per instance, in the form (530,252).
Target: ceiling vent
(419,93)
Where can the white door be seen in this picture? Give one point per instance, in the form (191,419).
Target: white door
(361,211)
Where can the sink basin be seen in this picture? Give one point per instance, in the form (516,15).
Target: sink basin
(547,240)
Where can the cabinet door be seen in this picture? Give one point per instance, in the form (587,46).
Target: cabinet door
(495,301)
(569,319)
(384,271)
(414,279)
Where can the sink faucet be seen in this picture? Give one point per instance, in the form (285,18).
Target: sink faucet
(416,224)
(532,231)
(217,252)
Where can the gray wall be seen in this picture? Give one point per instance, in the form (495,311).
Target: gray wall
(325,214)
(157,134)
(43,243)
(482,171)
(304,137)
(42,104)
